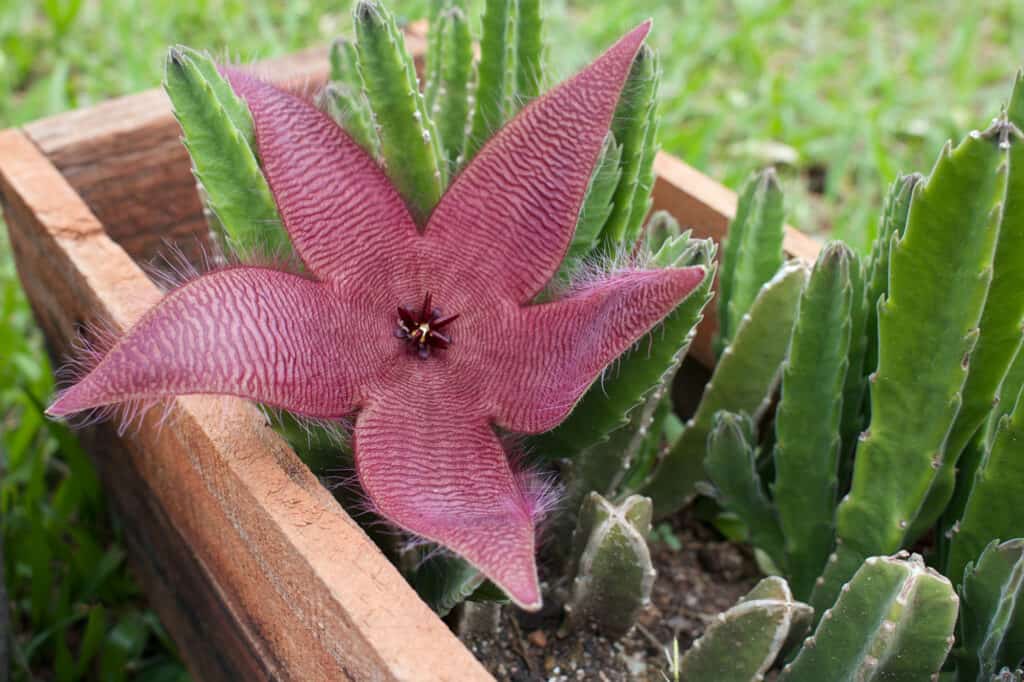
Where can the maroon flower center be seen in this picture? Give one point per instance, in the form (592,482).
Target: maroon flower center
(421,329)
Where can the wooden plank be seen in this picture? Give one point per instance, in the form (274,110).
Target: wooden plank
(255,568)
(705,206)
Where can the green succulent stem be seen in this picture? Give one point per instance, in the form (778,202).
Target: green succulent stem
(597,206)
(893,621)
(1001,322)
(635,129)
(939,274)
(854,419)
(992,613)
(613,570)
(345,98)
(731,464)
(529,50)
(741,644)
(496,52)
(752,252)
(743,380)
(893,224)
(993,508)
(409,142)
(807,423)
(452,106)
(218,133)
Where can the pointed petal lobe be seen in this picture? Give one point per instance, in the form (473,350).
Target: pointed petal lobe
(434,467)
(558,349)
(344,217)
(507,220)
(271,336)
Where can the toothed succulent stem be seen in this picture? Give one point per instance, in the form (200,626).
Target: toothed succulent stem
(661,227)
(807,423)
(452,105)
(496,48)
(992,612)
(731,464)
(409,143)
(893,621)
(218,132)
(529,50)
(614,574)
(433,59)
(1011,387)
(992,511)
(854,420)
(999,334)
(345,99)
(891,226)
(744,378)
(939,273)
(752,252)
(741,644)
(597,206)
(635,128)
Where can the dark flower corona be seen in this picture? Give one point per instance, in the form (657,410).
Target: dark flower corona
(323,344)
(423,330)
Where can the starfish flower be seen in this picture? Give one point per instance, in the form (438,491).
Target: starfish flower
(428,336)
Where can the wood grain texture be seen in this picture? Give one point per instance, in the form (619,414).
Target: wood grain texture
(256,570)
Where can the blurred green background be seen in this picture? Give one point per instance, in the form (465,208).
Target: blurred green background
(840,96)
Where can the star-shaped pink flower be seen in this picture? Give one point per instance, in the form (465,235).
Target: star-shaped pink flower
(428,336)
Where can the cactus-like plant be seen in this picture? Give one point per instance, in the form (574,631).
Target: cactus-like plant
(930,274)
(635,127)
(741,644)
(992,617)
(218,131)
(344,97)
(894,620)
(752,253)
(611,563)
(999,330)
(796,526)
(409,144)
(451,109)
(992,509)
(939,273)
(743,381)
(808,420)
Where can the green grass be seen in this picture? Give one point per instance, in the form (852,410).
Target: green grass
(841,98)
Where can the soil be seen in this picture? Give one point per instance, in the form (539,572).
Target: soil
(701,577)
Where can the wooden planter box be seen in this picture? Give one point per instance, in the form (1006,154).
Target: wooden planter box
(253,566)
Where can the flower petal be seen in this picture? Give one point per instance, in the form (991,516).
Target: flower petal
(558,349)
(436,469)
(507,220)
(258,333)
(343,215)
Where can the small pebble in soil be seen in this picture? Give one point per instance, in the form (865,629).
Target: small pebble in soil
(538,638)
